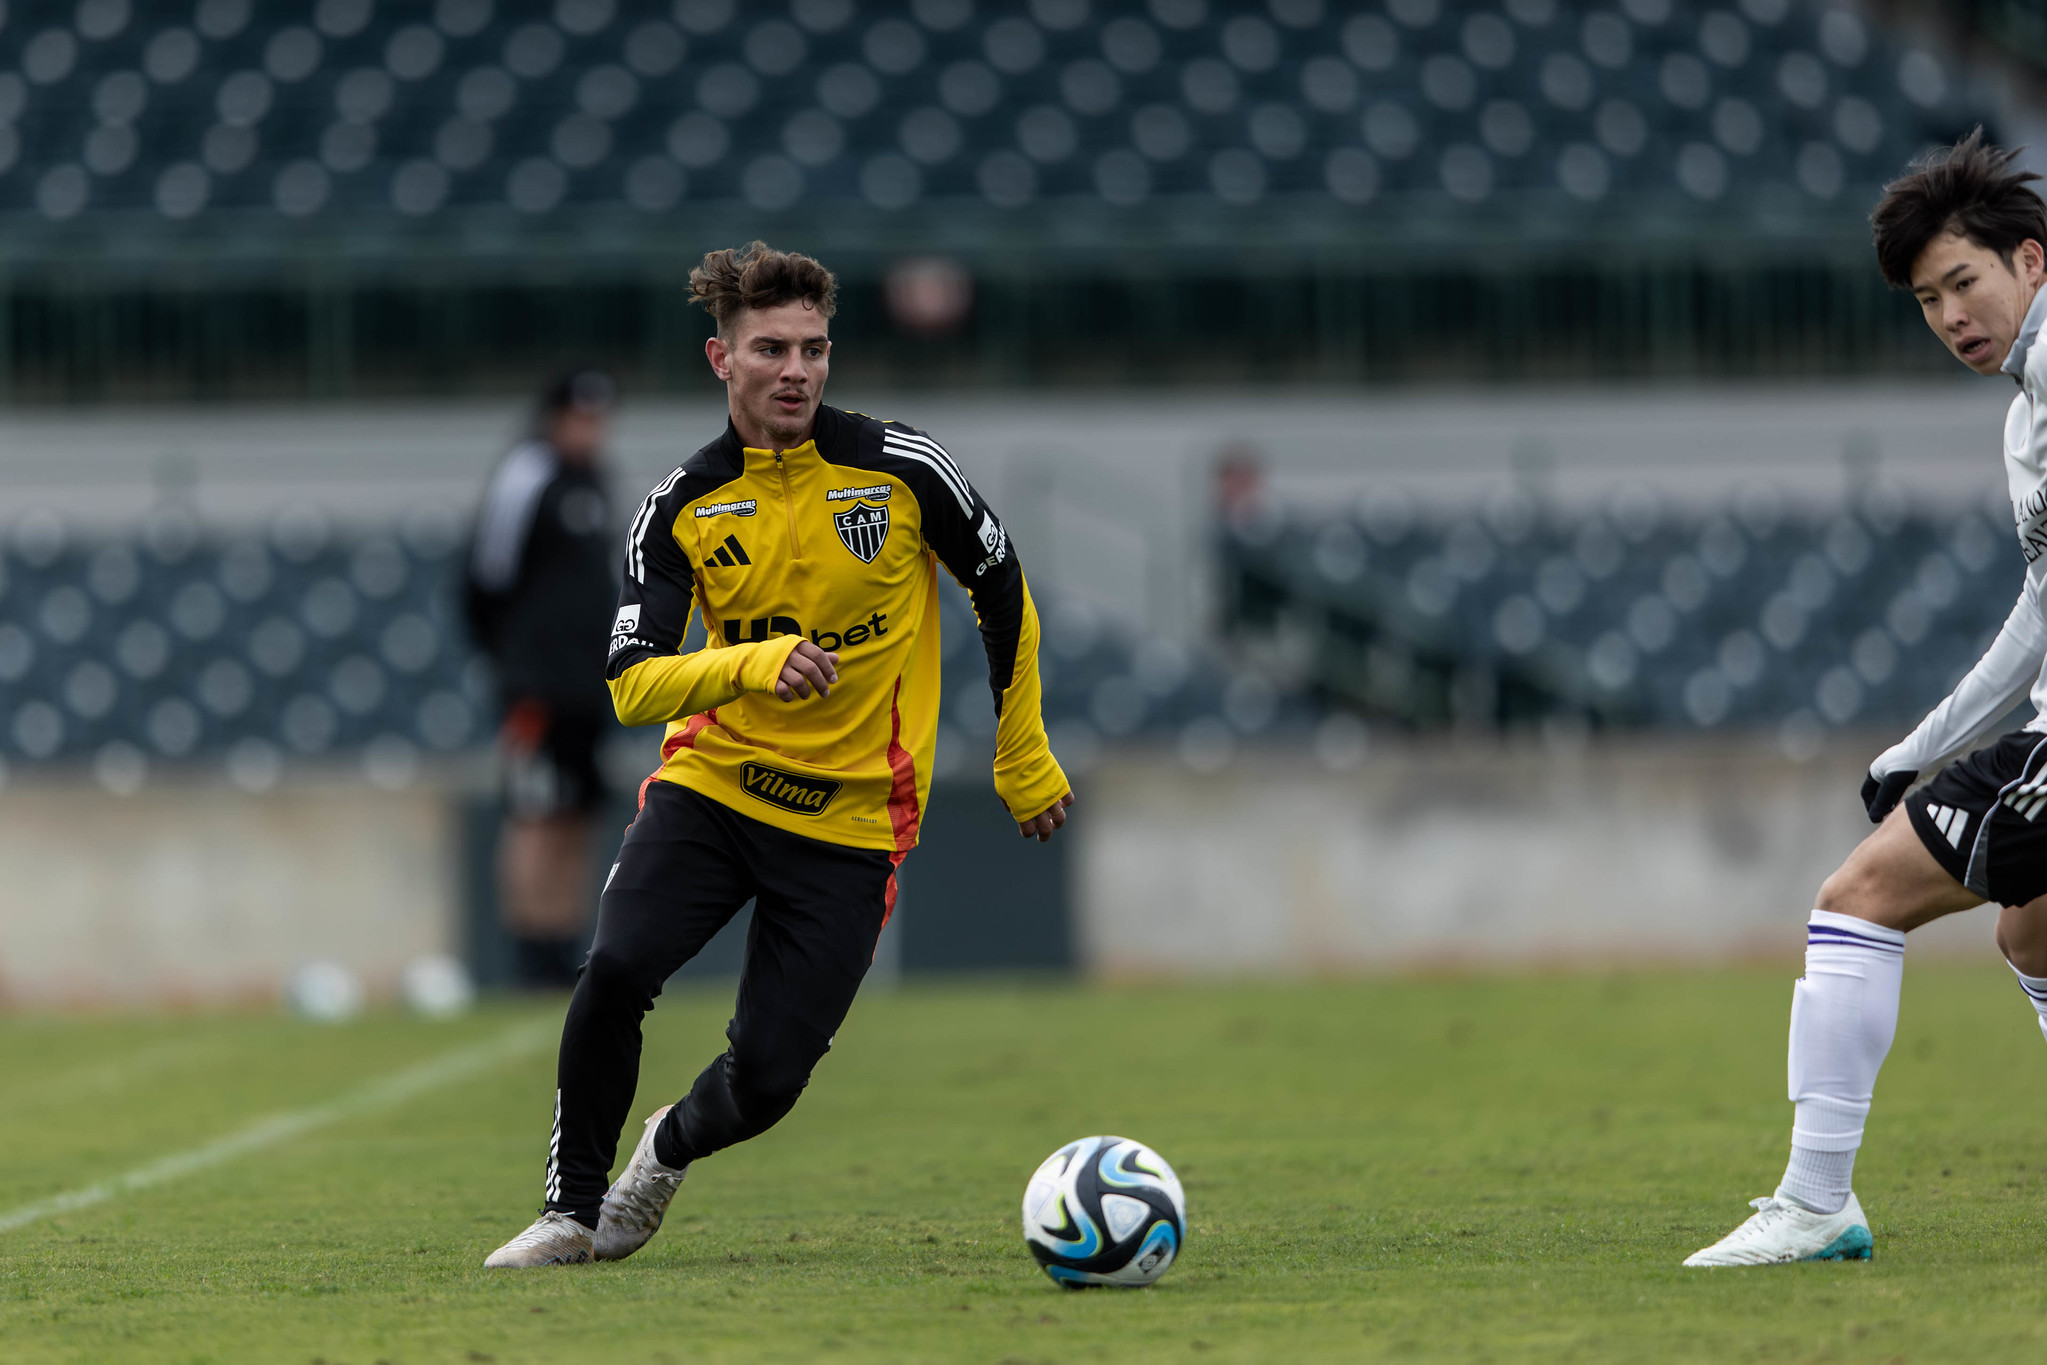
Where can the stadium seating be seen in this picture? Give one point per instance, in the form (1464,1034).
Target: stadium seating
(1105,684)
(310,642)
(307,641)
(176,644)
(1636,615)
(301,116)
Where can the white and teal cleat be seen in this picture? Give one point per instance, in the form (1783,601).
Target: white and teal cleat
(1782,1231)
(637,1200)
(554,1239)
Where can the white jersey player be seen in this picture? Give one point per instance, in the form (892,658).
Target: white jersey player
(1963,231)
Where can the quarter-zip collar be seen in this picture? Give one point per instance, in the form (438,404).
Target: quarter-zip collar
(781,471)
(827,433)
(2029,332)
(759,461)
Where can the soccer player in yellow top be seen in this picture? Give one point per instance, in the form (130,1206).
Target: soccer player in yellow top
(797,758)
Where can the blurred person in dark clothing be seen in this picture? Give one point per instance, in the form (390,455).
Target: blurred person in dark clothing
(542,586)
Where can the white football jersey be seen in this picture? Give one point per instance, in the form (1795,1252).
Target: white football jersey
(2016,662)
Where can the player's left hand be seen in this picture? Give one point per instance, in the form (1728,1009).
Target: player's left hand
(1880,795)
(1044,826)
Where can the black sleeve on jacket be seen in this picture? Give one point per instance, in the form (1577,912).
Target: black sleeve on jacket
(660,584)
(485,614)
(962,530)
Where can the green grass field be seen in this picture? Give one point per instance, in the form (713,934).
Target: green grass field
(1473,1169)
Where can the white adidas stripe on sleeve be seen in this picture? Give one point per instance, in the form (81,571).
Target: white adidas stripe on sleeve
(635,556)
(939,463)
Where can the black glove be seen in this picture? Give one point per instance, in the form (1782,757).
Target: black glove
(1881,795)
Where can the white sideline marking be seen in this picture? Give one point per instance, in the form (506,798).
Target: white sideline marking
(392,1090)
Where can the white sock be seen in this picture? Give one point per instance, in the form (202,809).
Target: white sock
(1844,1013)
(2035,988)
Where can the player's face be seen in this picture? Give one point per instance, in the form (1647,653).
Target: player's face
(774,367)
(1974,299)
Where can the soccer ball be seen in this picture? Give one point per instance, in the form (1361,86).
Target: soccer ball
(1104,1210)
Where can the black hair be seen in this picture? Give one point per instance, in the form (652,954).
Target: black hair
(1969,189)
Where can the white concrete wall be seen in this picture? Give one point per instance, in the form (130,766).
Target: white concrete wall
(1484,855)
(1424,856)
(200,892)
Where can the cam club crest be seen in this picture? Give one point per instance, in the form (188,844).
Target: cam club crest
(863,527)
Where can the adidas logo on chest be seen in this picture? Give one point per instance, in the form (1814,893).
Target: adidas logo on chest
(731,554)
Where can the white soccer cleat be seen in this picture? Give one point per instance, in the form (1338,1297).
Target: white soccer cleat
(1782,1231)
(554,1239)
(636,1201)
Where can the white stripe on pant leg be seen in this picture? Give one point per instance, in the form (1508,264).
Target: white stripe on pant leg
(552,1190)
(388,1093)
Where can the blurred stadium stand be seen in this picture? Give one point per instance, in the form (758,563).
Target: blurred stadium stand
(334,196)
(1639,616)
(173,644)
(1674,561)
(313,642)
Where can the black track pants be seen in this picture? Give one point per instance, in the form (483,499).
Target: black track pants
(687,866)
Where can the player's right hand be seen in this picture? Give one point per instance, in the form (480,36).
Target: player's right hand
(1045,826)
(808,667)
(1880,795)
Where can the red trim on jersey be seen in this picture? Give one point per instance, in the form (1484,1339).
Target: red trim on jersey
(903,813)
(888,899)
(685,738)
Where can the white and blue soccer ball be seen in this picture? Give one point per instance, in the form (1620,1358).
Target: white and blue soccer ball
(1105,1211)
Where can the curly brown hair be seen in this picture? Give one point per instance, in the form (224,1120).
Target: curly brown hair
(1970,189)
(757,276)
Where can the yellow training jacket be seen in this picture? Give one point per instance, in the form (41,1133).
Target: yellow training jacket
(839,541)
